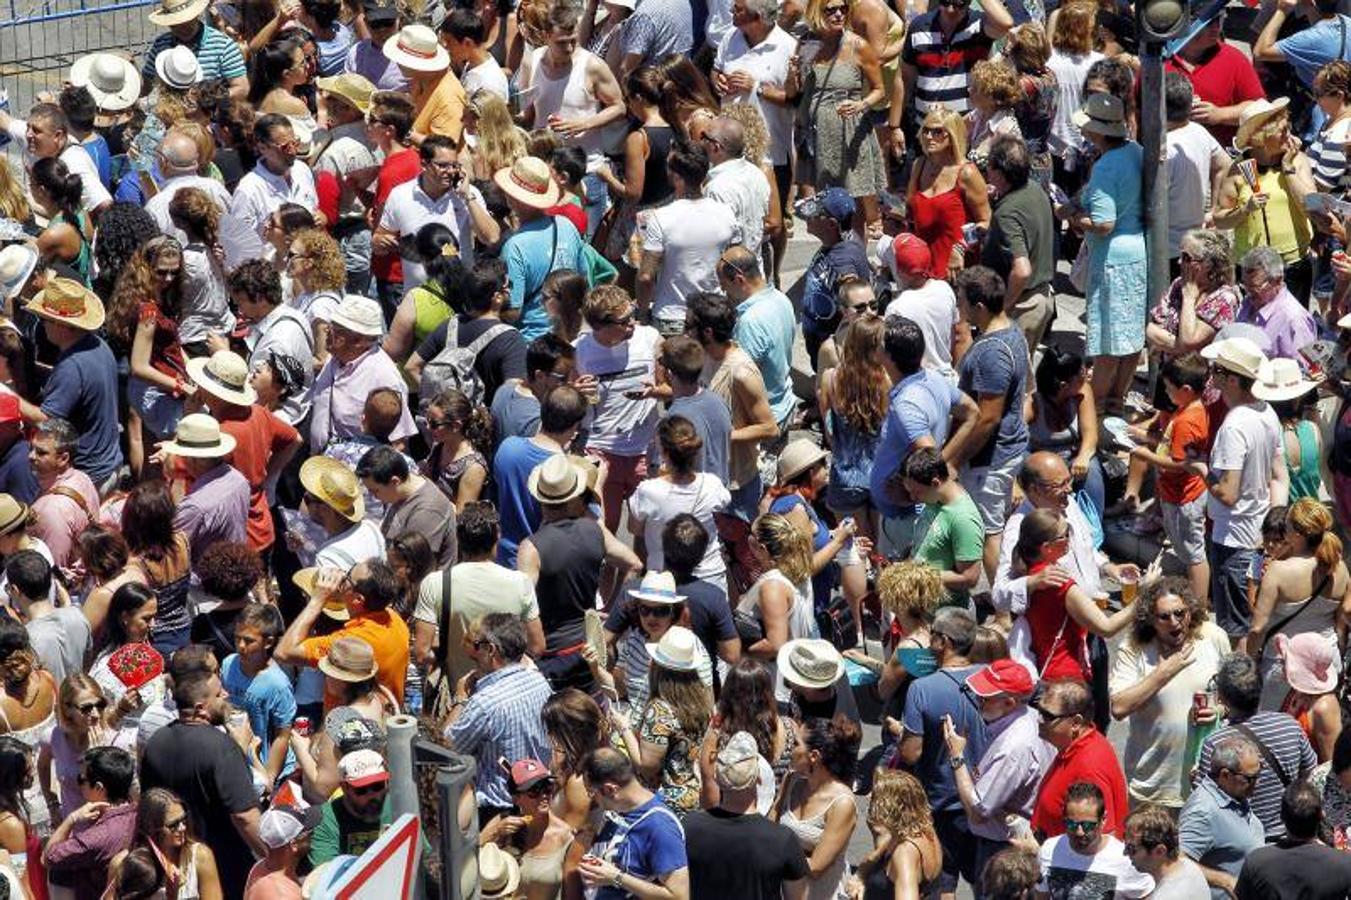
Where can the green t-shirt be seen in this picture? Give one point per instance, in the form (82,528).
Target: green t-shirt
(339,833)
(1022,224)
(951,533)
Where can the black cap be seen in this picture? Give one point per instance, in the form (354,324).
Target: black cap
(379,12)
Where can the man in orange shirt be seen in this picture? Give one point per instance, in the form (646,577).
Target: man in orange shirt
(438,97)
(362,597)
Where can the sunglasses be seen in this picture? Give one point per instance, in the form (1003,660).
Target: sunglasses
(1083,826)
(933,132)
(832,11)
(537,790)
(1250,779)
(367,790)
(1047,715)
(181,822)
(87,708)
(622,320)
(659,612)
(859,307)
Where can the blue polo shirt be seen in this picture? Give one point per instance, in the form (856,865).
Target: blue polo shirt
(1218,831)
(82,389)
(921,405)
(765,326)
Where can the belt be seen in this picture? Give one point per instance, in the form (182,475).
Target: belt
(349,226)
(563,651)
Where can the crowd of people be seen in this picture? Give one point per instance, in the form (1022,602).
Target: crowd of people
(364,359)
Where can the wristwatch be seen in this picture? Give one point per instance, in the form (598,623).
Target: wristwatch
(957,762)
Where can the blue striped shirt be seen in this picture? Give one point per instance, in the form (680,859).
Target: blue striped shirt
(503,718)
(216,53)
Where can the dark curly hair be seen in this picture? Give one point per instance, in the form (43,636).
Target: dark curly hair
(228,571)
(256,279)
(1143,630)
(837,741)
(123,228)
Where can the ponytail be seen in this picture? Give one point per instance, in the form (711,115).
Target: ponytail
(1329,551)
(478,430)
(62,185)
(1311,520)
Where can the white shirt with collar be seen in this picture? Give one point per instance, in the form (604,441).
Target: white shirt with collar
(78,161)
(743,186)
(408,207)
(1082,560)
(767,63)
(261,192)
(158,205)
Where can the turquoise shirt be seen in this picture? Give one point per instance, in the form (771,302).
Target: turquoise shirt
(765,325)
(526,254)
(1114,193)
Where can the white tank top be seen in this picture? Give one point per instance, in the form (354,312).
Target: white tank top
(568,97)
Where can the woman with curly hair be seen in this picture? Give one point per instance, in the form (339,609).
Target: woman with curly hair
(206,303)
(497,140)
(1029,51)
(463,435)
(575,725)
(756,150)
(906,859)
(816,800)
(143,318)
(227,573)
(780,600)
(162,552)
(162,826)
(318,279)
(994,93)
(123,229)
(66,239)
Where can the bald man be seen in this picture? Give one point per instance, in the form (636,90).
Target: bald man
(735,180)
(178,161)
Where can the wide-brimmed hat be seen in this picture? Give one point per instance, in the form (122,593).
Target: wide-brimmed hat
(1102,114)
(1238,355)
(556,480)
(1281,379)
(657,587)
(810,663)
(223,374)
(529,182)
(17,262)
(113,82)
(677,650)
(1254,116)
(176,12)
(350,86)
(349,659)
(334,606)
(178,67)
(198,436)
(335,484)
(13,514)
(498,873)
(67,301)
(799,456)
(416,47)
(1310,662)
(359,315)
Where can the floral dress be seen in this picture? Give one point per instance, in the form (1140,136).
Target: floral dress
(1036,110)
(1335,830)
(680,782)
(1217,309)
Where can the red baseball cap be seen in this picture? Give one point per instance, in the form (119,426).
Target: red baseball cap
(1003,676)
(526,773)
(912,254)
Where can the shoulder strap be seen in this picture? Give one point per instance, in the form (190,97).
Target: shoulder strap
(443,620)
(483,340)
(1276,629)
(71,494)
(1267,755)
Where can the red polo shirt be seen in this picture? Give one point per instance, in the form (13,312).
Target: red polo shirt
(1090,758)
(1226,78)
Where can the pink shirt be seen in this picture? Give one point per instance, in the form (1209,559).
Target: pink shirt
(340,394)
(60,519)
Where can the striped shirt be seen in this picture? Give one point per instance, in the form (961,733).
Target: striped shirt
(216,53)
(942,63)
(1328,156)
(502,719)
(657,29)
(1282,735)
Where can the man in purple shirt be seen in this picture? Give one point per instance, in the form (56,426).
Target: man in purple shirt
(217,506)
(82,846)
(1269,305)
(356,366)
(366,59)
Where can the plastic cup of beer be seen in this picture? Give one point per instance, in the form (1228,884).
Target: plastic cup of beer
(1129,580)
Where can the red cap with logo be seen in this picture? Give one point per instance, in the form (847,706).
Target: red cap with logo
(912,254)
(1003,676)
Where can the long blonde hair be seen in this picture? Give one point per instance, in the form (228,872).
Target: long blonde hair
(861,385)
(500,141)
(788,548)
(952,122)
(899,803)
(13,203)
(753,124)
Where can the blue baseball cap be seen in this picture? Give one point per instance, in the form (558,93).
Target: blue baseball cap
(833,201)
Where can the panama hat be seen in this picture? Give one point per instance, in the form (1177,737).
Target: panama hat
(799,456)
(17,262)
(349,659)
(67,301)
(1254,116)
(1102,114)
(1281,379)
(1238,355)
(657,587)
(1310,662)
(359,315)
(13,514)
(556,480)
(351,87)
(677,650)
(498,873)
(198,436)
(176,12)
(334,606)
(529,182)
(334,484)
(223,374)
(416,47)
(112,81)
(810,663)
(178,67)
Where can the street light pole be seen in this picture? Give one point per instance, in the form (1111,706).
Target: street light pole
(1152,135)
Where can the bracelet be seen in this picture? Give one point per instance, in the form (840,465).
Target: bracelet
(618,881)
(957,762)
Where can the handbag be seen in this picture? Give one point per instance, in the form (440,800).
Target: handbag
(838,625)
(748,627)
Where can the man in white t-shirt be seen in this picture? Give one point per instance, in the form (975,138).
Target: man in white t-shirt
(928,302)
(735,180)
(462,34)
(1152,847)
(47,133)
(683,240)
(1245,478)
(179,161)
(1085,861)
(1195,159)
(481,587)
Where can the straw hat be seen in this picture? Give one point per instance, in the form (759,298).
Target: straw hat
(677,650)
(810,663)
(556,480)
(737,767)
(359,315)
(67,301)
(114,82)
(1254,116)
(223,374)
(178,67)
(349,659)
(657,587)
(1238,355)
(335,484)
(13,514)
(176,12)
(1310,662)
(198,436)
(17,262)
(416,47)
(799,456)
(498,873)
(1102,114)
(1281,379)
(334,606)
(529,182)
(351,87)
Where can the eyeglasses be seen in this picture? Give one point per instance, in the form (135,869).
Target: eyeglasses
(1249,779)
(933,132)
(1063,485)
(859,307)
(290,146)
(833,11)
(542,789)
(180,822)
(1083,826)
(443,165)
(660,612)
(1049,716)
(621,320)
(435,424)
(1172,615)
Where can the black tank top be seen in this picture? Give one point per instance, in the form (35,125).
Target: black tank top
(570,555)
(657,187)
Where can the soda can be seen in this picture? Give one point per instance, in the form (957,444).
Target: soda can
(1200,700)
(238,718)
(301,726)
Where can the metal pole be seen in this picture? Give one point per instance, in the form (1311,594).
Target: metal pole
(1152,130)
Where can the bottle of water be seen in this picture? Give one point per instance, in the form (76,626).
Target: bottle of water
(412,692)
